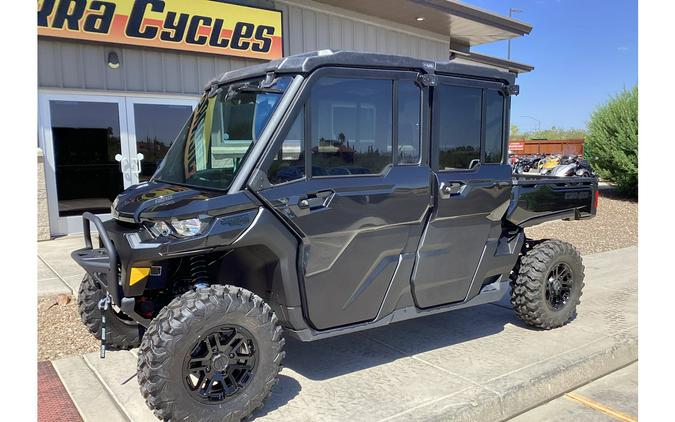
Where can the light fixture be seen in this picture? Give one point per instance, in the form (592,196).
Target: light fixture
(419,19)
(113,60)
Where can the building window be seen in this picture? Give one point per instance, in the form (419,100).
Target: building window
(409,104)
(457,126)
(494,126)
(289,160)
(351,126)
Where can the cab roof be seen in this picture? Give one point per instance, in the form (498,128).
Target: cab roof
(487,67)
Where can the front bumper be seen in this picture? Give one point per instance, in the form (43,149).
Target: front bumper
(103,264)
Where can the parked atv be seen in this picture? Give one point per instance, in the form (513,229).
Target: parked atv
(573,166)
(315,196)
(547,164)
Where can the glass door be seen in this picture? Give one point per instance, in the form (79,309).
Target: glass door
(83,138)
(153,123)
(98,145)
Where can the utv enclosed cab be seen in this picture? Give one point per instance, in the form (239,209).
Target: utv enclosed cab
(333,192)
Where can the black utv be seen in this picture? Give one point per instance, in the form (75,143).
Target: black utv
(314,196)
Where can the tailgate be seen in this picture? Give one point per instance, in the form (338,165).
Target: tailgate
(536,199)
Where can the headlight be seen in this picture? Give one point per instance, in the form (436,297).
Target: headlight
(159,228)
(188,227)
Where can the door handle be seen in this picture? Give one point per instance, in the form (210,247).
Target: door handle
(311,202)
(137,163)
(123,162)
(316,200)
(449,189)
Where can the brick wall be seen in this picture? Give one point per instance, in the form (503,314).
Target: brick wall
(43,230)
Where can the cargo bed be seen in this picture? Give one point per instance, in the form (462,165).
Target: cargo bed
(537,198)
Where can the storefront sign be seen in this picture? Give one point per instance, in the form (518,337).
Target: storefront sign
(206,26)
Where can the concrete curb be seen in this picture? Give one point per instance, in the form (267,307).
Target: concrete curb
(528,388)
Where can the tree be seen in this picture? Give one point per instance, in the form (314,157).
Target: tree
(514,131)
(612,141)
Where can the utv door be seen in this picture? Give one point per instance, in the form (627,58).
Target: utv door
(345,175)
(471,188)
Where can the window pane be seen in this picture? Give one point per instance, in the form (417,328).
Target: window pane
(351,126)
(156,126)
(409,105)
(86,138)
(494,127)
(458,125)
(289,160)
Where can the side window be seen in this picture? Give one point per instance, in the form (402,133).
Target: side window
(409,107)
(351,126)
(494,126)
(289,160)
(457,126)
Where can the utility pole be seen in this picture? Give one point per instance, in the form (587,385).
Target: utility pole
(511,12)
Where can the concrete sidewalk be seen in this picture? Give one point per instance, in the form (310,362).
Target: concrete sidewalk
(479,363)
(57,272)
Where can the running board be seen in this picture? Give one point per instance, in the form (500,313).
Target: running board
(490,293)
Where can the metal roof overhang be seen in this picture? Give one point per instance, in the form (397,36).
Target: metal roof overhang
(464,25)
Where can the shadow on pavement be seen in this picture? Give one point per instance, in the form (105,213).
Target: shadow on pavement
(285,390)
(333,357)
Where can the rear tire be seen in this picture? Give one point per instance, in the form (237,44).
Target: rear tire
(548,285)
(192,367)
(121,333)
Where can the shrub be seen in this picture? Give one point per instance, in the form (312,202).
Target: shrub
(612,141)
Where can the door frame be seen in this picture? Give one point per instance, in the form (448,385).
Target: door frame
(73,224)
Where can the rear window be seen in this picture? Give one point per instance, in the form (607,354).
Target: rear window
(457,126)
(494,126)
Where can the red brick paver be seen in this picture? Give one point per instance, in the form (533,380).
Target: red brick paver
(54,403)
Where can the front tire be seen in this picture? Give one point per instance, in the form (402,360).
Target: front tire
(122,333)
(211,354)
(548,286)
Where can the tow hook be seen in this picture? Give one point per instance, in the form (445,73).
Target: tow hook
(103,305)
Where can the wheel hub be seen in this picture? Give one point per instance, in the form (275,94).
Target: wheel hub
(221,364)
(559,286)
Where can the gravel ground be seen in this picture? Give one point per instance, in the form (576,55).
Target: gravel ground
(614,227)
(61,332)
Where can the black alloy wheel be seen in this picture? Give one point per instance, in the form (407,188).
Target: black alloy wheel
(221,364)
(559,286)
(547,283)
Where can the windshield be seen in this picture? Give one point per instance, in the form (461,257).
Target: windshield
(216,139)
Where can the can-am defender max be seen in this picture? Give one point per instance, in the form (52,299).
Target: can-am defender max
(319,195)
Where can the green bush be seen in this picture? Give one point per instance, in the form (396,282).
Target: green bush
(612,141)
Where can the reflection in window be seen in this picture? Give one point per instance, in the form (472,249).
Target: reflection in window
(409,106)
(494,126)
(351,126)
(289,160)
(212,146)
(86,138)
(457,126)
(156,127)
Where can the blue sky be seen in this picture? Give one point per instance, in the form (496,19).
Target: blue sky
(583,52)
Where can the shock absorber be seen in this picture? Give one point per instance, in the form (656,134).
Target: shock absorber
(198,271)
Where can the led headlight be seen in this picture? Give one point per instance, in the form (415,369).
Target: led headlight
(188,227)
(159,228)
